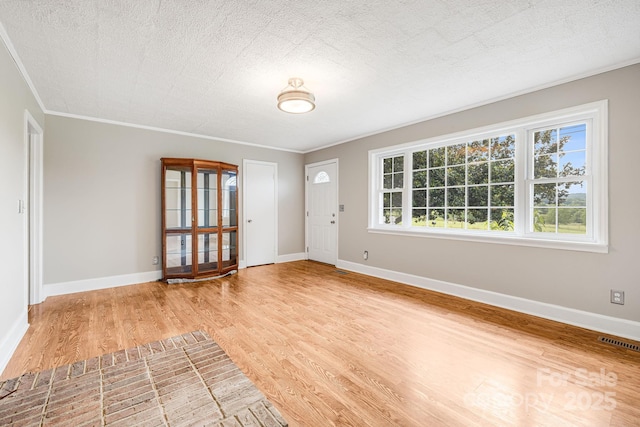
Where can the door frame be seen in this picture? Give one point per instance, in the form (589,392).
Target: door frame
(246,162)
(306,203)
(33,190)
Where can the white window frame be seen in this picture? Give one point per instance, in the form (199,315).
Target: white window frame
(596,176)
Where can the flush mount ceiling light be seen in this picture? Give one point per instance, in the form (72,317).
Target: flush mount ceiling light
(295,98)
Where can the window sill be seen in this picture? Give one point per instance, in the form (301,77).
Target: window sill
(504,239)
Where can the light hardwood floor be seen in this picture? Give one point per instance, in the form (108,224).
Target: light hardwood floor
(329,348)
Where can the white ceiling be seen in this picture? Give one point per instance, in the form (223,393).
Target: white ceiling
(214,68)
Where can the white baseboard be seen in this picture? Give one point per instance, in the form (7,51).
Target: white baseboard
(64,288)
(291,257)
(9,343)
(584,319)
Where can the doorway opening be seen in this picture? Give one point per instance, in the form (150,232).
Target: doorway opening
(31,208)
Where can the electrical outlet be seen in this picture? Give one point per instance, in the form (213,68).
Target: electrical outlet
(155,260)
(365,255)
(617,297)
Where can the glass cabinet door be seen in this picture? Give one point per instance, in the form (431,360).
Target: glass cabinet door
(178,217)
(229,198)
(229,248)
(207,181)
(178,253)
(207,252)
(177,198)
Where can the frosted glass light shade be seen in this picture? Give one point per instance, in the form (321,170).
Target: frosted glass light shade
(295,98)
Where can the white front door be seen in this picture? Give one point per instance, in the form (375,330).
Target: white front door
(322,211)
(260,212)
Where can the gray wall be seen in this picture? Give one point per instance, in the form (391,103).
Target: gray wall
(15,97)
(102,195)
(577,280)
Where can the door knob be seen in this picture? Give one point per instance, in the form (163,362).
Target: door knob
(249,220)
(333,222)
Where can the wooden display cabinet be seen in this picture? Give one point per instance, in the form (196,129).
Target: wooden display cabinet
(199,218)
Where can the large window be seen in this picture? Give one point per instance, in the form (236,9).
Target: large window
(537,181)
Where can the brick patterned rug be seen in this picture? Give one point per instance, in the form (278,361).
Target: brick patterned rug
(181,381)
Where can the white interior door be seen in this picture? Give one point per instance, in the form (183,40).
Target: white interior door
(322,212)
(260,212)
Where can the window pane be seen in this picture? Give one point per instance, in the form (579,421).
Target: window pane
(502,195)
(572,194)
(456,154)
(387,181)
(478,173)
(574,137)
(387,165)
(503,147)
(501,220)
(545,166)
(436,178)
(398,164)
(386,216)
(420,160)
(544,220)
(456,197)
(545,142)
(455,218)
(436,157)
(436,198)
(398,180)
(420,179)
(479,196)
(396,200)
(386,200)
(572,220)
(396,216)
(478,151)
(503,171)
(321,178)
(477,219)
(419,217)
(436,218)
(572,163)
(419,198)
(544,194)
(455,175)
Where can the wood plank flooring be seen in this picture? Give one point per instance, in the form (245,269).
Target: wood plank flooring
(350,350)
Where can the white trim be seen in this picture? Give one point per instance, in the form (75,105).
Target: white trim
(306,202)
(245,162)
(501,239)
(14,54)
(33,191)
(300,256)
(63,288)
(171,131)
(584,319)
(10,342)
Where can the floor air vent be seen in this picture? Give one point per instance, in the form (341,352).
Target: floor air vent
(341,272)
(619,343)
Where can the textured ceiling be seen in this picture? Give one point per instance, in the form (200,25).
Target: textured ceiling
(215,68)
